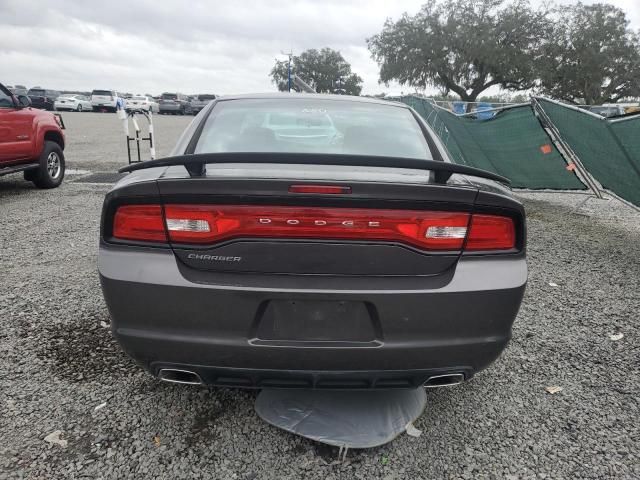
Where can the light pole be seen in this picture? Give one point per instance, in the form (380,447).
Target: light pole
(290,54)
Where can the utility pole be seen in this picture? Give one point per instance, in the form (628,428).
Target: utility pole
(290,54)
(340,90)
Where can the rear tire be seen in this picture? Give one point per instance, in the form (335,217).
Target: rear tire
(79,108)
(51,170)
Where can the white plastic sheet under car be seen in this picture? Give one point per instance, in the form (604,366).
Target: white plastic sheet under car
(348,419)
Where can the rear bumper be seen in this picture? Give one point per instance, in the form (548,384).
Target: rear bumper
(165,320)
(138,107)
(106,105)
(171,107)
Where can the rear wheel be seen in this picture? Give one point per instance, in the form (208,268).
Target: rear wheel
(79,109)
(51,170)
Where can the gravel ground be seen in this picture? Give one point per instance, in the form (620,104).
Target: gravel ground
(59,361)
(96,141)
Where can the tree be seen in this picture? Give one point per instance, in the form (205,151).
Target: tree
(592,56)
(325,70)
(462,46)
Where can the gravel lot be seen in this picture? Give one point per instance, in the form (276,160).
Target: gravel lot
(59,361)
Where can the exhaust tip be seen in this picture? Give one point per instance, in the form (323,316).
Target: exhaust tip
(447,380)
(174,375)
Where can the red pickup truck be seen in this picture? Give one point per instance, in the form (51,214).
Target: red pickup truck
(31,141)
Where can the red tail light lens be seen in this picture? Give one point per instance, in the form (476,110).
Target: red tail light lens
(205,224)
(139,222)
(320,189)
(210,224)
(491,232)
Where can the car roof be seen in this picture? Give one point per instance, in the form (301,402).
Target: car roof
(323,96)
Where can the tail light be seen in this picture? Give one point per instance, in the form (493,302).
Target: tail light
(491,232)
(139,222)
(320,189)
(206,224)
(210,224)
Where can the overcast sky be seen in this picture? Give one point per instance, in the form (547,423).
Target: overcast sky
(152,46)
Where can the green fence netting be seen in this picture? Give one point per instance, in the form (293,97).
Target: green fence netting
(608,149)
(512,143)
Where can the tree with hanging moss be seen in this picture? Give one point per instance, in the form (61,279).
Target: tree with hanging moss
(463,47)
(325,70)
(592,56)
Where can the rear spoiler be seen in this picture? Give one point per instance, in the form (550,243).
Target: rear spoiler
(196,164)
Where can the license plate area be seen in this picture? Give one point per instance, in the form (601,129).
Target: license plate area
(322,321)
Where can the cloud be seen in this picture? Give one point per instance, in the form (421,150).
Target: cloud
(191,47)
(146,46)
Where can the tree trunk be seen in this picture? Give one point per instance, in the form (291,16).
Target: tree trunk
(469,99)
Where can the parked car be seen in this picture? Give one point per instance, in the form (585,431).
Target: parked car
(201,101)
(142,102)
(104,100)
(247,260)
(31,141)
(73,102)
(18,90)
(42,97)
(174,103)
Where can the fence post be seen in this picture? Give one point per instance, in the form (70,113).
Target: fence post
(564,148)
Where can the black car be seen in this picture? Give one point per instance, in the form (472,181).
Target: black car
(313,241)
(43,98)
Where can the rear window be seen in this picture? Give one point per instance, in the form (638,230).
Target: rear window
(169,96)
(206,97)
(313,125)
(38,92)
(106,93)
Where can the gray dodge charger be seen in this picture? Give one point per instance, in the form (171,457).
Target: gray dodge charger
(311,241)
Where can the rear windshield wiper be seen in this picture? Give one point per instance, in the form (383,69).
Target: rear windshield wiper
(196,163)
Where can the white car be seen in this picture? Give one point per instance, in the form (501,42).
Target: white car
(142,102)
(104,100)
(72,102)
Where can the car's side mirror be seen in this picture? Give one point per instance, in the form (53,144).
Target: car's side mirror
(24,101)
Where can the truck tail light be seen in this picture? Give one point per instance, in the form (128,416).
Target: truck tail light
(211,224)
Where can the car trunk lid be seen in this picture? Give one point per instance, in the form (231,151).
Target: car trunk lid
(295,231)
